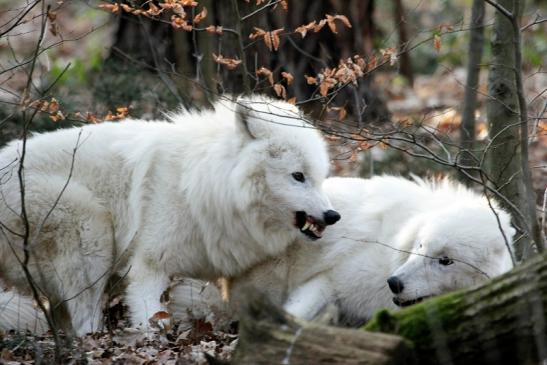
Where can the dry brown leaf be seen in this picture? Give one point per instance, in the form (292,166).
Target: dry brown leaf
(257,33)
(267,40)
(53,106)
(343,19)
(287,76)
(153,10)
(57,116)
(190,3)
(41,105)
(317,27)
(264,72)
(360,62)
(214,29)
(327,84)
(437,42)
(201,15)
(330,19)
(303,29)
(160,316)
(113,8)
(177,22)
(275,38)
(372,63)
(342,114)
(280,91)
(126,8)
(311,80)
(109,116)
(323,89)
(230,63)
(122,112)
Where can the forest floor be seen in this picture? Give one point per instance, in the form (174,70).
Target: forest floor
(192,346)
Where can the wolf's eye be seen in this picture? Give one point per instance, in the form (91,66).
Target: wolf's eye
(445,260)
(298,176)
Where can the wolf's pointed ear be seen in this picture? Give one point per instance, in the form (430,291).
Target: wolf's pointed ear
(243,119)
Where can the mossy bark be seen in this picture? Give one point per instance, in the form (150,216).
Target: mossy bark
(500,322)
(507,154)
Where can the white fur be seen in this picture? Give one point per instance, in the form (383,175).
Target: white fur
(389,226)
(208,195)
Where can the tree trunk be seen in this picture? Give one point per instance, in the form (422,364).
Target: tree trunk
(176,66)
(467,128)
(266,336)
(405,62)
(507,152)
(502,321)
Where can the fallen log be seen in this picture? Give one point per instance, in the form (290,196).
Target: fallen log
(268,336)
(500,322)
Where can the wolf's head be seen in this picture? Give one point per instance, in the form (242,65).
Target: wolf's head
(283,164)
(452,248)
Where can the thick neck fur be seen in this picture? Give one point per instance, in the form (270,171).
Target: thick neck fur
(233,201)
(211,191)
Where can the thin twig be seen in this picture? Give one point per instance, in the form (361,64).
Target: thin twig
(240,48)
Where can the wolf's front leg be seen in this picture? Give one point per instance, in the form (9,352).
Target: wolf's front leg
(309,299)
(144,292)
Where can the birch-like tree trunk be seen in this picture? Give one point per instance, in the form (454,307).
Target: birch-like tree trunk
(507,154)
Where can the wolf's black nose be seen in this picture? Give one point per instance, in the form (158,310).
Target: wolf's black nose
(331,217)
(395,285)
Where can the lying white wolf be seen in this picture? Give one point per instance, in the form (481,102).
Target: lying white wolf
(209,195)
(398,242)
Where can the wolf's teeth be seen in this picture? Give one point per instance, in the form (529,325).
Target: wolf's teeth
(305,226)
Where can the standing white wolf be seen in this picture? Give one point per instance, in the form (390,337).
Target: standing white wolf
(398,241)
(209,195)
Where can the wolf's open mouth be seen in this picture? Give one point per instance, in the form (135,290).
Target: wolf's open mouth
(406,303)
(309,226)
